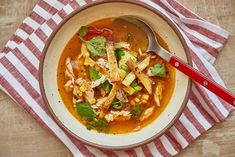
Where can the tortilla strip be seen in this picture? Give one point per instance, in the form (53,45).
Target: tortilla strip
(111,96)
(131,76)
(144,79)
(113,66)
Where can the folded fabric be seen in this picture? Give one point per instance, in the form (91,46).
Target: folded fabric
(19,63)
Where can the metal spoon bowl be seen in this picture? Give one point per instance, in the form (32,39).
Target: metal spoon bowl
(179,64)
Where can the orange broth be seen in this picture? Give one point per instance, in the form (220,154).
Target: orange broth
(137,38)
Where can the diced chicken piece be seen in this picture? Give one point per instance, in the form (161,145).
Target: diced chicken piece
(121,96)
(118,115)
(158,93)
(69,86)
(109,117)
(112,62)
(144,79)
(147,113)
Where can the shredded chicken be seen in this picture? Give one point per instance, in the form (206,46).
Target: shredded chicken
(158,93)
(69,69)
(147,113)
(118,115)
(69,86)
(99,103)
(98,82)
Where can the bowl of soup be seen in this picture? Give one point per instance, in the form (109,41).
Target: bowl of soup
(101,85)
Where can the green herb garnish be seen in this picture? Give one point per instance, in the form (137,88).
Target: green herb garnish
(94,74)
(136,111)
(106,86)
(119,53)
(101,125)
(117,104)
(136,87)
(83,31)
(123,56)
(96,46)
(158,70)
(85,111)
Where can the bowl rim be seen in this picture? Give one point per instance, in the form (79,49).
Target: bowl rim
(47,44)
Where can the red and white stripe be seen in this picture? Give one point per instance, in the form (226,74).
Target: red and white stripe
(19,64)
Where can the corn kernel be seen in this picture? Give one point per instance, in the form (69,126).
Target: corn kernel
(133,102)
(145,97)
(137,100)
(93,101)
(83,88)
(79,93)
(144,101)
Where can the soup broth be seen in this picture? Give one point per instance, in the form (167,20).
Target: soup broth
(133,110)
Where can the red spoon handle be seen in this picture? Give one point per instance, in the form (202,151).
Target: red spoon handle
(202,79)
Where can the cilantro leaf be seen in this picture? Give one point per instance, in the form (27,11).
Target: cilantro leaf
(136,111)
(101,125)
(94,74)
(85,111)
(96,46)
(158,70)
(83,31)
(119,53)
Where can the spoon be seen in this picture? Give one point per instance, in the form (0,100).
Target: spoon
(179,64)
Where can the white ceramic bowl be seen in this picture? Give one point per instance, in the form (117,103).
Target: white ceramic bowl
(60,37)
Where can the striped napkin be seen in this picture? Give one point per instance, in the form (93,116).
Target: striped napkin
(19,63)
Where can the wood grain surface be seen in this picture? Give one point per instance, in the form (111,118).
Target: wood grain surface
(21,136)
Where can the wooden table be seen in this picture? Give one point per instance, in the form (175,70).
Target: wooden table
(22,136)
